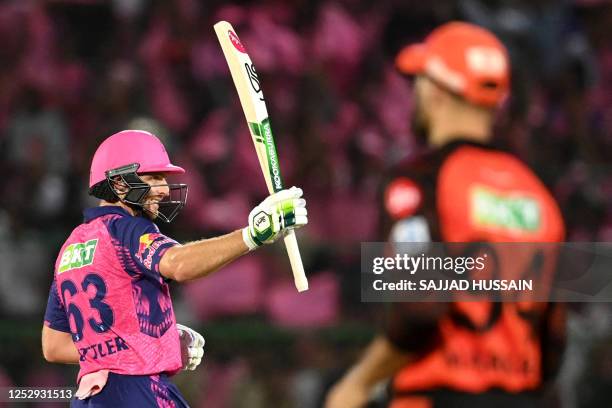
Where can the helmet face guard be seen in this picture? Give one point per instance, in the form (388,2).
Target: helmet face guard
(137,192)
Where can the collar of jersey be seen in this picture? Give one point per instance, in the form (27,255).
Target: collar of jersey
(95,212)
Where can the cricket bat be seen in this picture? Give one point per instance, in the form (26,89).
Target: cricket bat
(254,106)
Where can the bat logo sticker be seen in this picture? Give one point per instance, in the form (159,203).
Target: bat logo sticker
(254,79)
(236,41)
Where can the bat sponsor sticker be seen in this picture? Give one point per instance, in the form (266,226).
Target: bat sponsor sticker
(236,41)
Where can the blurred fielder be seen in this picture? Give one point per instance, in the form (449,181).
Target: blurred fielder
(461,354)
(109,307)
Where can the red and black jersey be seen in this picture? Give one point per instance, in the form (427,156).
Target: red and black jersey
(468,192)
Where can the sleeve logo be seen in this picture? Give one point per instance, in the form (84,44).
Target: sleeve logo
(77,255)
(145,242)
(403,198)
(148,244)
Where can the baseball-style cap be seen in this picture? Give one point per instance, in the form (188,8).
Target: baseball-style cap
(466,59)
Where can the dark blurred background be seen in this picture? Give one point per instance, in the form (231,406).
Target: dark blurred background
(74,72)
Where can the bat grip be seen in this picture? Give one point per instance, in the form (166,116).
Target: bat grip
(301,283)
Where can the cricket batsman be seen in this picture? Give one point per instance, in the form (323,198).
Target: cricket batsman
(462,354)
(109,307)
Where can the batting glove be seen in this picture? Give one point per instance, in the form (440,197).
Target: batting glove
(192,347)
(277,214)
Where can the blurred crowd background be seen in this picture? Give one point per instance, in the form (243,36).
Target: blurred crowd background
(74,72)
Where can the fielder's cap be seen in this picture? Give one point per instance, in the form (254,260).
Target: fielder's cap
(467,59)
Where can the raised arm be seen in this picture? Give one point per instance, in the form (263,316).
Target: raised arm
(197,259)
(268,222)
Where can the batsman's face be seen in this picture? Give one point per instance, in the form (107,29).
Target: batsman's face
(420,120)
(159,191)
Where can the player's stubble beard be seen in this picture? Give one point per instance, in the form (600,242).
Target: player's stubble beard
(419,123)
(143,211)
(150,208)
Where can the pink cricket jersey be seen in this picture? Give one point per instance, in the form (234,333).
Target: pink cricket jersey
(108,293)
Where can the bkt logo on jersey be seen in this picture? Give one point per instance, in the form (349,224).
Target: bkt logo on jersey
(508,210)
(78,255)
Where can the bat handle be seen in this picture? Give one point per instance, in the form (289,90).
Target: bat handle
(301,283)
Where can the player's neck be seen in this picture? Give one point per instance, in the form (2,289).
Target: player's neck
(476,128)
(129,209)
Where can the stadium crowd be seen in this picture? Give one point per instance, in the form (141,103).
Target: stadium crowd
(74,72)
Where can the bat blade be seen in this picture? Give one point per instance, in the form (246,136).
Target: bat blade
(247,84)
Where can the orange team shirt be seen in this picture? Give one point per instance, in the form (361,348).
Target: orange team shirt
(467,192)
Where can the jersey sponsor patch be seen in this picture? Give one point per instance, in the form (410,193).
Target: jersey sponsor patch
(77,255)
(505,210)
(403,198)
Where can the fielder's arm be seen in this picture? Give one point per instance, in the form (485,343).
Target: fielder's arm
(380,361)
(57,347)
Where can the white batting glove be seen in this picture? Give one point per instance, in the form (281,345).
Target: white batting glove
(277,214)
(192,347)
